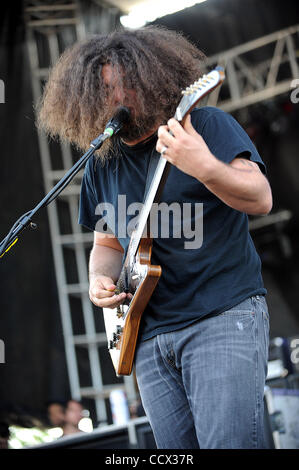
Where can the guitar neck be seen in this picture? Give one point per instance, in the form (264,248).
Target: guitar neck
(191,97)
(153,196)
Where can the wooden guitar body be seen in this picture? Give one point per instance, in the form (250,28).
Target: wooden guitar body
(125,329)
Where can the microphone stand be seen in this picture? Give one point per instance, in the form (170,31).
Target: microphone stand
(26,219)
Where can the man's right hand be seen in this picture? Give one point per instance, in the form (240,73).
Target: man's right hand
(101,292)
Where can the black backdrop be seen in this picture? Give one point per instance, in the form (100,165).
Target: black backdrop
(35,369)
(218,25)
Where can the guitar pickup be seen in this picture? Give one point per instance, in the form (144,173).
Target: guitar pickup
(117,334)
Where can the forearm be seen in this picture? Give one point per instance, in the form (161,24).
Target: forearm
(104,261)
(240,185)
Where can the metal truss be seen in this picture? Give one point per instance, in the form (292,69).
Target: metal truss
(250,80)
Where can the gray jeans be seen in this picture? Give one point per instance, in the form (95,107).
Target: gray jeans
(203,386)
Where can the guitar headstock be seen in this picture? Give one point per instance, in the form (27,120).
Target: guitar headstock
(195,92)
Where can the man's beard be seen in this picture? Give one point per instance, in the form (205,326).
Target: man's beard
(137,127)
(134,129)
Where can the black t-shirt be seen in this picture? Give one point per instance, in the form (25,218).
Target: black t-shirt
(207,275)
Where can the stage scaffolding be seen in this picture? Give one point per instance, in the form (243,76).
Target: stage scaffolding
(51,26)
(258,70)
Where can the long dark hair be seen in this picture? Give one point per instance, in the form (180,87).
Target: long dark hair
(154,61)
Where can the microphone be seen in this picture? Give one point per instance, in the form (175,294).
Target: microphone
(115,124)
(120,118)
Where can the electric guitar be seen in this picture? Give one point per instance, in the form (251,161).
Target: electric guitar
(138,276)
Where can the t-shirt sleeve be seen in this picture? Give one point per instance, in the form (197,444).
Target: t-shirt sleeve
(88,198)
(227,140)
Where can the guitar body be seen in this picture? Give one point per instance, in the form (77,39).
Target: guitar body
(124,331)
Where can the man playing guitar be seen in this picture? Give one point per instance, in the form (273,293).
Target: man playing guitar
(201,356)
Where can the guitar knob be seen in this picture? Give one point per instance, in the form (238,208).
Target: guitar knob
(119,312)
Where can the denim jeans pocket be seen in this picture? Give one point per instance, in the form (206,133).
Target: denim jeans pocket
(261,307)
(240,320)
(261,303)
